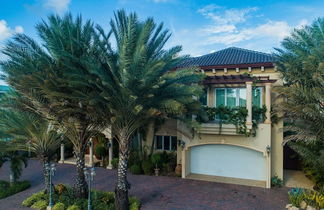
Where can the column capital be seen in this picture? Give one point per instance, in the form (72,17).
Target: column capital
(249,83)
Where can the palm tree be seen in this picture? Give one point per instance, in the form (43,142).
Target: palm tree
(44,74)
(139,83)
(17,160)
(30,132)
(300,60)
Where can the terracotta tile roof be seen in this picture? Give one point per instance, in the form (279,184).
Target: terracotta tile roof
(229,56)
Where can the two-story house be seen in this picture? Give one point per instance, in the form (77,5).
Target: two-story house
(235,78)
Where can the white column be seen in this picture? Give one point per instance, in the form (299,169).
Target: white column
(110,154)
(249,104)
(108,134)
(268,102)
(91,153)
(62,154)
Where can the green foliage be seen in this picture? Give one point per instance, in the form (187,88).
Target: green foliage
(74,207)
(312,159)
(40,205)
(147,167)
(233,115)
(114,162)
(276,181)
(300,60)
(311,197)
(156,159)
(296,196)
(59,206)
(67,200)
(6,189)
(136,169)
(135,204)
(100,151)
(33,198)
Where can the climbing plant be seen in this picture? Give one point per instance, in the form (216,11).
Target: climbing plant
(233,115)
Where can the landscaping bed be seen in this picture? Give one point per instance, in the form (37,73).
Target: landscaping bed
(64,199)
(7,190)
(305,199)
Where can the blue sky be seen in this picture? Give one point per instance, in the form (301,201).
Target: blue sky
(200,26)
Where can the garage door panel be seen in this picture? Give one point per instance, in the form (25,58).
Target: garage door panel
(228,161)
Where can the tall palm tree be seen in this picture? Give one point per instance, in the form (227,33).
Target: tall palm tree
(44,74)
(139,82)
(300,60)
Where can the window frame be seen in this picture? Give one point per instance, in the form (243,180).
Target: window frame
(162,143)
(237,95)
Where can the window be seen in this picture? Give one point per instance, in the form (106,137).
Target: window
(230,97)
(257,96)
(203,97)
(167,143)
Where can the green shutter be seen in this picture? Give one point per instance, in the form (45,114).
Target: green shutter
(220,97)
(256,96)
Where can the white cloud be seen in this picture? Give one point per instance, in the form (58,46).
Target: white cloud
(276,30)
(58,6)
(223,16)
(6,31)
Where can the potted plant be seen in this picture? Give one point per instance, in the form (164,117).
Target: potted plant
(156,158)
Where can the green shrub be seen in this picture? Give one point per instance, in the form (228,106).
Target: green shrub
(60,188)
(156,160)
(34,198)
(100,151)
(134,158)
(66,200)
(40,205)
(59,206)
(136,169)
(114,162)
(147,167)
(74,207)
(7,190)
(134,203)
(296,196)
(276,181)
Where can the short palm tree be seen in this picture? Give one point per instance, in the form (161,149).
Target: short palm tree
(17,160)
(44,74)
(300,60)
(139,83)
(28,131)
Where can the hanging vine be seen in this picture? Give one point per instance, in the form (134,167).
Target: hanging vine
(233,115)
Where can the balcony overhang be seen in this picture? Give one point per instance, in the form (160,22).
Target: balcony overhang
(236,79)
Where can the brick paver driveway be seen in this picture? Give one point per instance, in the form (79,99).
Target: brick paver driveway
(159,192)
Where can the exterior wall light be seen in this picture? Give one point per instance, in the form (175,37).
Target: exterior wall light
(268,148)
(181,143)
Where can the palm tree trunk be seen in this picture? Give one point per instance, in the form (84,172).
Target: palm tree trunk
(122,187)
(46,179)
(81,187)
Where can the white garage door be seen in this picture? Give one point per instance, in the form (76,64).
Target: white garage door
(228,161)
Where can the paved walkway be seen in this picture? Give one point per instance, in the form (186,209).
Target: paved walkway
(160,192)
(298,179)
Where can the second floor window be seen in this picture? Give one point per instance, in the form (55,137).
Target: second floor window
(231,97)
(234,97)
